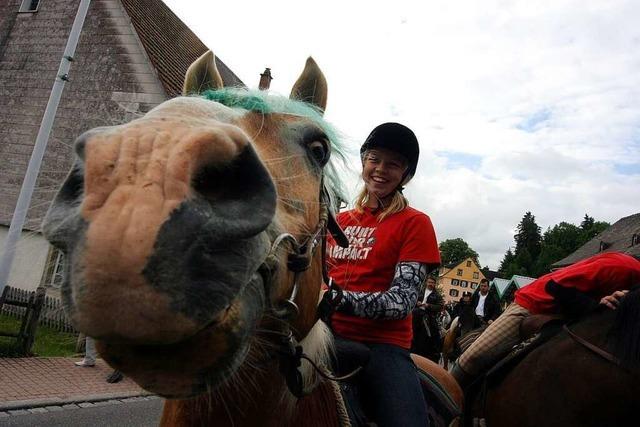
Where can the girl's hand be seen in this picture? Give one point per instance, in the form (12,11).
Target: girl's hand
(613,301)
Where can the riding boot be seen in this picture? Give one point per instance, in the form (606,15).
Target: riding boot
(463,378)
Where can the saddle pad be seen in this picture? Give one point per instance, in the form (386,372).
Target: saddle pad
(442,408)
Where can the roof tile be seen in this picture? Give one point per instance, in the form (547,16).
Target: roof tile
(616,238)
(170,44)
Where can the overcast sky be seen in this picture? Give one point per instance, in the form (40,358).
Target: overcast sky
(518,106)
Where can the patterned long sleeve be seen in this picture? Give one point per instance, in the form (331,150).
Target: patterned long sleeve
(395,303)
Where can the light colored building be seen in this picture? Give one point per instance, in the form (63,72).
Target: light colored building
(456,279)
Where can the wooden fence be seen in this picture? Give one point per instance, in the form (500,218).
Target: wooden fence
(52,314)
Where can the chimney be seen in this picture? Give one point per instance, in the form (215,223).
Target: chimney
(265,79)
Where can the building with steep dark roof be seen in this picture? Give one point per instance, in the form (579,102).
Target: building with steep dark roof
(490,274)
(131,56)
(623,236)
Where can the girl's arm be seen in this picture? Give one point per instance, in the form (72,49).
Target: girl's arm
(395,303)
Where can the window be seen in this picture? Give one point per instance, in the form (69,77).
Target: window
(474,285)
(635,239)
(455,282)
(468,263)
(459,272)
(55,269)
(604,246)
(29,6)
(464,283)
(453,292)
(476,275)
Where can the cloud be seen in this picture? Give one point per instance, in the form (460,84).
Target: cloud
(519,106)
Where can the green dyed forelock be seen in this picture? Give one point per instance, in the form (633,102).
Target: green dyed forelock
(235,98)
(261,102)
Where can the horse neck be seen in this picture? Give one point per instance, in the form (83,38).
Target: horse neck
(260,396)
(595,326)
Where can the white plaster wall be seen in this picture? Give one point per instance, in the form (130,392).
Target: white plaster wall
(29,261)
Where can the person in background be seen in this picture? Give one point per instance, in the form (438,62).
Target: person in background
(90,354)
(427,340)
(485,303)
(458,308)
(444,320)
(89,360)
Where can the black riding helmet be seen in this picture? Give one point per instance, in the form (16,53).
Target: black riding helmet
(397,138)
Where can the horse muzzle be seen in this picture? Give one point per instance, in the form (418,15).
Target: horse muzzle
(199,363)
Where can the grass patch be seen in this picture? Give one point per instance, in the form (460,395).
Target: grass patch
(48,342)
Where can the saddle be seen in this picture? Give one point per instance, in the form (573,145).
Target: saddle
(533,324)
(350,355)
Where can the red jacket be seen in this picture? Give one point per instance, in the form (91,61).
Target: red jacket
(598,276)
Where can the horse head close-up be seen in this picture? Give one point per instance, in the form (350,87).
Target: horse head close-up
(178,229)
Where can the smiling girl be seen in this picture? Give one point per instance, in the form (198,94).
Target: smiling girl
(392,248)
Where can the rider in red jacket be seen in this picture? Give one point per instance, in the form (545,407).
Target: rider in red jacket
(604,278)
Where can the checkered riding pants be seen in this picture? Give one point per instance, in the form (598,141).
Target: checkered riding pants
(496,341)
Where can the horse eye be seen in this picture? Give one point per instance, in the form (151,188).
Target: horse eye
(320,151)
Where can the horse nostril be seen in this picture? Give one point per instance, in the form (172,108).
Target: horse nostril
(241,194)
(206,182)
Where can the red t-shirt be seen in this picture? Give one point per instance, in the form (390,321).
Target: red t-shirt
(368,265)
(598,276)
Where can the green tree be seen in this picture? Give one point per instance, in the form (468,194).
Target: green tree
(525,262)
(534,253)
(557,243)
(453,251)
(587,222)
(528,236)
(506,262)
(591,228)
(564,236)
(548,255)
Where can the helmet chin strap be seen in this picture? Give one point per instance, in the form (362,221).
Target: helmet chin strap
(380,199)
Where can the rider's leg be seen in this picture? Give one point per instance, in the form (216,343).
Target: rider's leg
(391,388)
(499,337)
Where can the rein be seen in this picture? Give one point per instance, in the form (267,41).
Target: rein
(299,260)
(595,349)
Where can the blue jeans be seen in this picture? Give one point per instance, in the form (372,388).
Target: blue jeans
(390,388)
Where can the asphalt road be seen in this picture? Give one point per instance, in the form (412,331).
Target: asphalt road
(144,413)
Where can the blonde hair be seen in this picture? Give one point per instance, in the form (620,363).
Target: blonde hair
(398,203)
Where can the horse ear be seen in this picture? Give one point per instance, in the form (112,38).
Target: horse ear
(311,86)
(202,75)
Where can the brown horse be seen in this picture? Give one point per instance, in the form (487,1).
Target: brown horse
(587,375)
(464,330)
(194,239)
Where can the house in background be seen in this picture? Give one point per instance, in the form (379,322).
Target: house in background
(506,289)
(131,56)
(455,279)
(498,286)
(622,236)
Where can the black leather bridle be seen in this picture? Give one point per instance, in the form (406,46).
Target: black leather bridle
(290,353)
